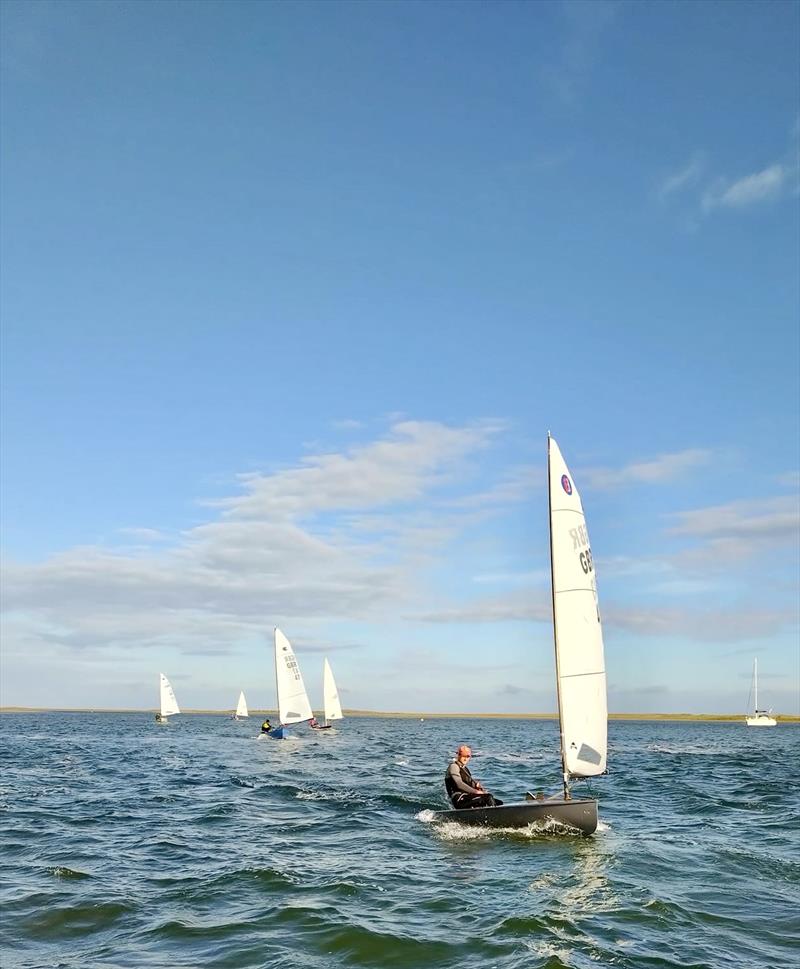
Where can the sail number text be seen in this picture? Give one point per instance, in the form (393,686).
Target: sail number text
(580,540)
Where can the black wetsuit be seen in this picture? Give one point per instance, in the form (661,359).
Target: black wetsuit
(461,789)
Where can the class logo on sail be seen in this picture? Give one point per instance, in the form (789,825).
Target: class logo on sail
(566,484)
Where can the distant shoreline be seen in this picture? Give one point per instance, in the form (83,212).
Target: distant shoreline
(404,715)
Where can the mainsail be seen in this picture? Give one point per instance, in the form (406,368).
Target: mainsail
(169,704)
(333,708)
(580,665)
(241,706)
(293,704)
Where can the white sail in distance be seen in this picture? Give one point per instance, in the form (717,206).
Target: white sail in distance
(333,708)
(169,704)
(293,703)
(241,706)
(580,663)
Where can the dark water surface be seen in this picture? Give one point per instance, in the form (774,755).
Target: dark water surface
(128,844)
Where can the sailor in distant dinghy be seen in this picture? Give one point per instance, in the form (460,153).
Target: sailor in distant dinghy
(462,788)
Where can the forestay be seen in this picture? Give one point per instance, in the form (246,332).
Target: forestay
(241,706)
(333,708)
(169,705)
(580,664)
(293,704)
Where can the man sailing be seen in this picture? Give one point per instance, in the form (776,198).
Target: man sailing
(463,789)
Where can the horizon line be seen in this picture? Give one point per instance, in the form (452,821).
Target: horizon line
(403,714)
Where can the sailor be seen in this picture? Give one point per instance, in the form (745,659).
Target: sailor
(266,726)
(313,723)
(463,789)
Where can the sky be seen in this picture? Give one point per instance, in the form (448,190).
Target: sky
(292,295)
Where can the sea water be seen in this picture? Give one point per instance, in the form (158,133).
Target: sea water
(126,843)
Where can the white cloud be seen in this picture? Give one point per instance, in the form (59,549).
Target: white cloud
(685,177)
(750,189)
(340,536)
(658,470)
(776,519)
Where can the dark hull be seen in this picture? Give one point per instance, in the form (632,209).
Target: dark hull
(578,813)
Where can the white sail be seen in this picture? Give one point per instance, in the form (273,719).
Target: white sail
(293,705)
(169,704)
(333,708)
(580,664)
(241,706)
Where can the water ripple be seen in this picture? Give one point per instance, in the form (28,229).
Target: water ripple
(129,845)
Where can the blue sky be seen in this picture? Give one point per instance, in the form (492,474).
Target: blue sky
(292,294)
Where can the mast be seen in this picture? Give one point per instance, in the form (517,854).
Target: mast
(564,772)
(277,687)
(755,682)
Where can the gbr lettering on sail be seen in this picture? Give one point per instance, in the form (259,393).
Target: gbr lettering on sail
(580,544)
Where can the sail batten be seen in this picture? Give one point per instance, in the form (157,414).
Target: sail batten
(293,702)
(578,636)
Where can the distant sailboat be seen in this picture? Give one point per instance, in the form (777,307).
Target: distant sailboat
(333,708)
(760,718)
(169,705)
(293,703)
(241,708)
(580,668)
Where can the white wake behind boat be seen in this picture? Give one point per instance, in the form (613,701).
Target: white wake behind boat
(293,702)
(169,705)
(580,668)
(760,718)
(241,708)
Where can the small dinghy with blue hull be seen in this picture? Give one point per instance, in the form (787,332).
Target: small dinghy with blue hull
(293,702)
(580,669)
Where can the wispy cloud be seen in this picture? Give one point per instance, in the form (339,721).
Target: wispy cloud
(585,22)
(772,518)
(704,625)
(763,186)
(347,425)
(659,470)
(706,192)
(736,532)
(146,535)
(684,177)
(340,535)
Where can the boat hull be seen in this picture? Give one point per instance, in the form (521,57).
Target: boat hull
(761,721)
(575,813)
(277,733)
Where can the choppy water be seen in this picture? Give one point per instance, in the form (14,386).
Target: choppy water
(129,844)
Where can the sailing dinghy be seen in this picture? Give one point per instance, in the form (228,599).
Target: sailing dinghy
(293,703)
(169,705)
(241,708)
(760,718)
(580,669)
(330,695)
